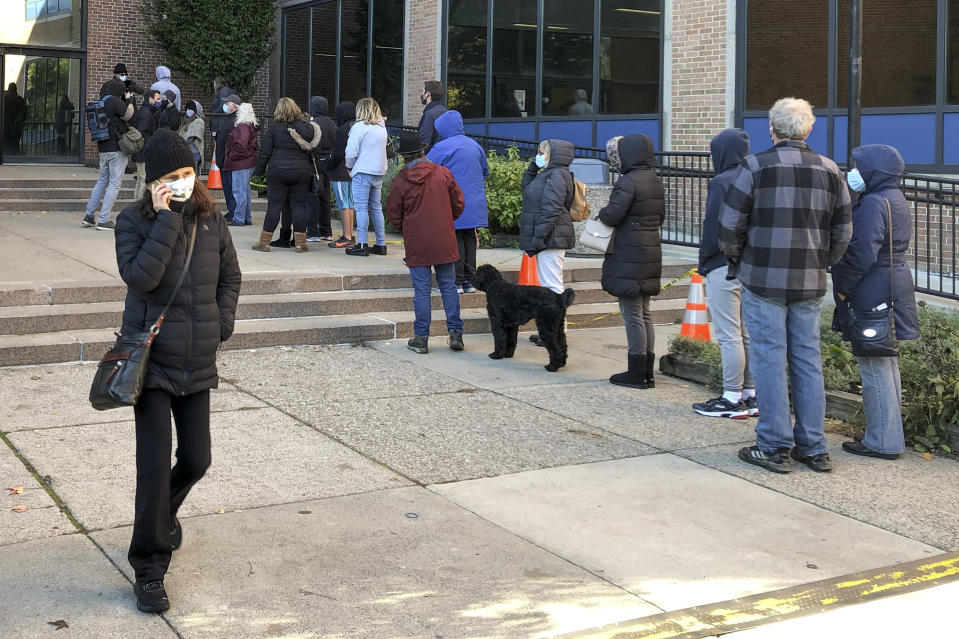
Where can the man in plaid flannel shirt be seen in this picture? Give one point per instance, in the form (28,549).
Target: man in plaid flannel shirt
(785,219)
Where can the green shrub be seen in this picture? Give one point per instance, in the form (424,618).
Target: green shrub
(504,193)
(699,350)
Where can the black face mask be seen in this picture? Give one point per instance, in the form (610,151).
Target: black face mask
(155,106)
(423,98)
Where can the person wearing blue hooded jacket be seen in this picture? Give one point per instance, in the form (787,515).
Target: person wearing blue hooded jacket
(724,296)
(466,160)
(861,279)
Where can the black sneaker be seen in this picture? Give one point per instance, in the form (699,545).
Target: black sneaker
(362,250)
(151,596)
(857,448)
(376,249)
(722,407)
(176,534)
(343,242)
(819,463)
(106,226)
(419,345)
(752,406)
(89,220)
(777,462)
(456,341)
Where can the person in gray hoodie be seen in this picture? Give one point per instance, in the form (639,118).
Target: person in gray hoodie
(163,84)
(724,296)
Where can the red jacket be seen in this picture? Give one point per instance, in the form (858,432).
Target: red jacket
(242,146)
(423,203)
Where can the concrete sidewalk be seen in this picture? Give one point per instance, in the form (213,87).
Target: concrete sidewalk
(373,492)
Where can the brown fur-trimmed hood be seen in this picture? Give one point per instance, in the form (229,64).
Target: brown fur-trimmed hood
(303,144)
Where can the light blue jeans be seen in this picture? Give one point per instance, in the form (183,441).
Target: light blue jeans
(882,402)
(241,193)
(112,166)
(367,190)
(786,335)
(724,299)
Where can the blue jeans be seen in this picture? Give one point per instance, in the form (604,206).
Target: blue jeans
(421,276)
(786,334)
(882,402)
(367,190)
(112,166)
(241,194)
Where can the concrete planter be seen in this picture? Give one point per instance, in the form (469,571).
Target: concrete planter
(839,405)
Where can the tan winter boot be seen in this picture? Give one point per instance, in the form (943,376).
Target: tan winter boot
(264,243)
(299,241)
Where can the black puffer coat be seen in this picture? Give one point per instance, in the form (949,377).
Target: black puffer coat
(636,208)
(547,195)
(289,147)
(150,255)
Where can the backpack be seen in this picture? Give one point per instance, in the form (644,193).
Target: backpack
(98,122)
(579,211)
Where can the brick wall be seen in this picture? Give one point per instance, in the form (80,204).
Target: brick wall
(698,73)
(424,17)
(116,32)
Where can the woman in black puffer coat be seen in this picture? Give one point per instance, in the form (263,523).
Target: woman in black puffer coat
(545,228)
(152,238)
(632,271)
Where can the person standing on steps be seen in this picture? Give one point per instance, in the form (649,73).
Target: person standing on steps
(164,84)
(320,225)
(153,237)
(242,146)
(723,295)
(633,269)
(340,175)
(432,99)
(423,203)
(222,124)
(192,129)
(144,120)
(113,161)
(366,161)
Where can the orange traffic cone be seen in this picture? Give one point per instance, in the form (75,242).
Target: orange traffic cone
(527,271)
(695,320)
(213,176)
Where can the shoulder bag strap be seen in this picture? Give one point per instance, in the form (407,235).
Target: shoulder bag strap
(891,289)
(176,289)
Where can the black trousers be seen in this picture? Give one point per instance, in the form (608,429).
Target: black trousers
(466,241)
(320,221)
(283,185)
(160,490)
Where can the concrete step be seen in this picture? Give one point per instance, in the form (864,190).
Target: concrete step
(91,344)
(79,193)
(79,204)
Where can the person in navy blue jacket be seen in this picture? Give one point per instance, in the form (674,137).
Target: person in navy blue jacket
(466,160)
(861,280)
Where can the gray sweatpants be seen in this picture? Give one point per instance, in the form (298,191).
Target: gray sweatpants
(724,300)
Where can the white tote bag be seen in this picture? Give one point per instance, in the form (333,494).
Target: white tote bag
(597,235)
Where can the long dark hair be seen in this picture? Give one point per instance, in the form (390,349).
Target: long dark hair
(200,203)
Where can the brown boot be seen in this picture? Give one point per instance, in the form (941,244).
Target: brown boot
(299,241)
(264,243)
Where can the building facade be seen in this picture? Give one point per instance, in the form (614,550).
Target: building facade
(583,70)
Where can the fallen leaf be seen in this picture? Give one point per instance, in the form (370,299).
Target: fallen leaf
(220,511)
(306,592)
(35,377)
(927,455)
(20,508)
(59,624)
(316,594)
(15,490)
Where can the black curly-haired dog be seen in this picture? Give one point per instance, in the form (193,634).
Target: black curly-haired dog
(510,306)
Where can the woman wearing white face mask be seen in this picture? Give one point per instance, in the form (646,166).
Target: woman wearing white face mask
(191,130)
(153,240)
(862,280)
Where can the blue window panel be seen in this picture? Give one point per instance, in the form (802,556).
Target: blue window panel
(578,132)
(759,140)
(606,129)
(913,134)
(513,130)
(840,137)
(475,128)
(950,133)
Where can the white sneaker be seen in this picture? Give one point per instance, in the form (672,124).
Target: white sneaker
(314,239)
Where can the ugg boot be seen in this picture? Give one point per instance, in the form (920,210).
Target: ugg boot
(650,365)
(284,241)
(264,243)
(299,240)
(635,377)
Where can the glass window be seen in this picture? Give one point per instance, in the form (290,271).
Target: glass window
(323,62)
(629,56)
(514,59)
(387,57)
(353,50)
(40,113)
(898,53)
(568,58)
(952,51)
(296,47)
(801,69)
(466,68)
(41,22)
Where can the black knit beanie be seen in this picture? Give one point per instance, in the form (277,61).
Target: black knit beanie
(165,152)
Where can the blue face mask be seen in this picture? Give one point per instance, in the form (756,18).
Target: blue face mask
(541,161)
(856,183)
(226,108)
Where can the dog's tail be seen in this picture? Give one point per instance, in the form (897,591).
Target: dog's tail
(568,295)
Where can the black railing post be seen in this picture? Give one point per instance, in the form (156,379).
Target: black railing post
(855,78)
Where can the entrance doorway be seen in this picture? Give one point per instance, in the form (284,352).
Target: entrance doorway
(41,110)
